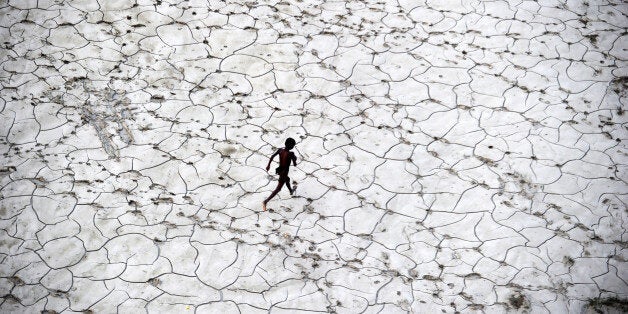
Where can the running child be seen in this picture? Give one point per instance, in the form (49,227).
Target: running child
(285,156)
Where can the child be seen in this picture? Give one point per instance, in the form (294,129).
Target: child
(285,156)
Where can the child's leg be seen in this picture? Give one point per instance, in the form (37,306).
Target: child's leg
(289,186)
(277,189)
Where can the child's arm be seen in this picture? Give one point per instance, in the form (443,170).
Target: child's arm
(294,159)
(271,159)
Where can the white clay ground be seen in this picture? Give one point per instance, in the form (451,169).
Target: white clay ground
(454,156)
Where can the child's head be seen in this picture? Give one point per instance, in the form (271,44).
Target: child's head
(290,142)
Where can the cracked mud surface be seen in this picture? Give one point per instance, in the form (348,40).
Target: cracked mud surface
(453,156)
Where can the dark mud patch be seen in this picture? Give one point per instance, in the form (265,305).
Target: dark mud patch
(608,305)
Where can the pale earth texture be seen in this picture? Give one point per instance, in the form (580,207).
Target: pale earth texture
(454,156)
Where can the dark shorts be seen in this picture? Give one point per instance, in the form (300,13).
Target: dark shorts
(282,172)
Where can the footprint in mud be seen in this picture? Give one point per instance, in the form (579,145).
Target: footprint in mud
(365,179)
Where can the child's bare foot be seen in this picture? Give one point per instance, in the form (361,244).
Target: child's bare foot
(264,205)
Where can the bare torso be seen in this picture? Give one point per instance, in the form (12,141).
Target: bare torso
(285,157)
